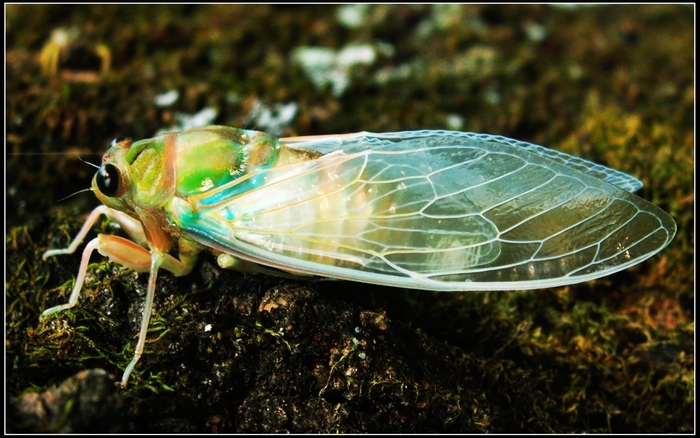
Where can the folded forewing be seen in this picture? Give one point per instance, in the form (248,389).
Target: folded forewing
(435,210)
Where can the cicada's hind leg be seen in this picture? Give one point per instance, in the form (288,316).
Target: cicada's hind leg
(228,261)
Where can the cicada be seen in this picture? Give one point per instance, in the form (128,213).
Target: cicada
(435,210)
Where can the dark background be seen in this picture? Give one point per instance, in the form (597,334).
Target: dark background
(612,84)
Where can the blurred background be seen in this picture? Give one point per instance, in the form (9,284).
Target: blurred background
(610,83)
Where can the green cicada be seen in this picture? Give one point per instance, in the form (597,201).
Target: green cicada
(436,210)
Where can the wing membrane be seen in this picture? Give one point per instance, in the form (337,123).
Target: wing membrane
(435,210)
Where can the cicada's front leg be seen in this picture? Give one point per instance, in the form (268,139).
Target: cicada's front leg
(128,254)
(129,224)
(101,243)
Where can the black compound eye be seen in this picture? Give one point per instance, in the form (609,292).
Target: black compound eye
(108,180)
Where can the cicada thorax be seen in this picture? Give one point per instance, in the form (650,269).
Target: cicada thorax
(212,157)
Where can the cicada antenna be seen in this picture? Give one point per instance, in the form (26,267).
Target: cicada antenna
(75,193)
(89,163)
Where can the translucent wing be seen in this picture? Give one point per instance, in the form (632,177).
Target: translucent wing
(433,210)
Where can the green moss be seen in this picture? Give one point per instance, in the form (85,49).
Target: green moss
(609,83)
